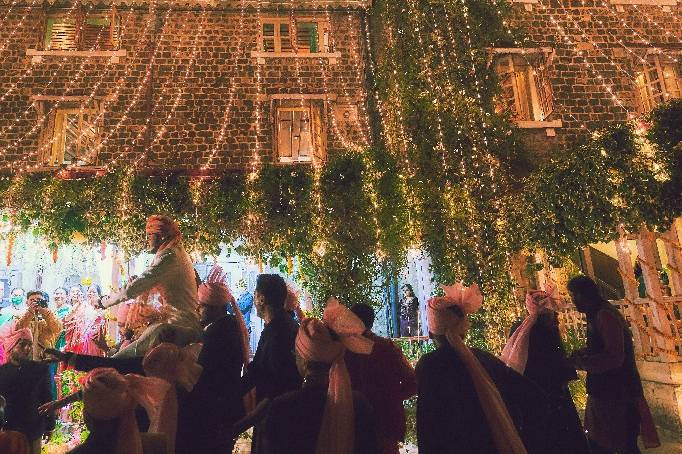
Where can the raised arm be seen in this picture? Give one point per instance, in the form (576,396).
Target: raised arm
(145,282)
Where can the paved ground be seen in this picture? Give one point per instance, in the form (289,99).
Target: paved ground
(666,448)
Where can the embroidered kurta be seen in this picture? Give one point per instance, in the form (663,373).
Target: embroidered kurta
(171,274)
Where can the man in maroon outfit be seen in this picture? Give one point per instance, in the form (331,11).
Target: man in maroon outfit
(386,379)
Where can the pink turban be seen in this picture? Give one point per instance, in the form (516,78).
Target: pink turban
(215,292)
(314,342)
(347,326)
(292,303)
(445,322)
(177,366)
(165,226)
(109,395)
(515,353)
(12,339)
(468,299)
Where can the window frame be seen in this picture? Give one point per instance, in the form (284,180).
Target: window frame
(318,143)
(80,19)
(323,25)
(539,99)
(528,100)
(644,83)
(53,150)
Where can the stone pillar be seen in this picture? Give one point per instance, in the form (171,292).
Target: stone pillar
(661,374)
(627,272)
(647,256)
(673,249)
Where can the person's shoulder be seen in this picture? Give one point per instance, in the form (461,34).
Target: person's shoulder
(224,325)
(431,359)
(361,404)
(226,321)
(609,313)
(35,367)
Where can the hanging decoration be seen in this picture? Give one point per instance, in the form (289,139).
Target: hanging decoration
(10,248)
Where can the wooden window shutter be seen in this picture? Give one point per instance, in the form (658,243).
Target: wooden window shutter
(268,37)
(654,82)
(305,136)
(307,37)
(284,133)
(285,44)
(58,138)
(45,142)
(645,101)
(671,80)
(505,72)
(61,33)
(319,136)
(544,91)
(97,32)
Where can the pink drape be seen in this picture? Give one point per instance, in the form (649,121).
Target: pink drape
(178,367)
(515,353)
(314,343)
(108,395)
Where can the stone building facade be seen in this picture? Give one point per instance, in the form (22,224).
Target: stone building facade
(587,63)
(196,85)
(594,61)
(210,85)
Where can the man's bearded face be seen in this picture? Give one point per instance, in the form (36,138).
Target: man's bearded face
(154,241)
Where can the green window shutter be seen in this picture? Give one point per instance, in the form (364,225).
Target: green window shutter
(48,33)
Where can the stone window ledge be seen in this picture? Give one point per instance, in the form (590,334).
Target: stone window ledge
(549,126)
(665,4)
(38,55)
(527,4)
(261,56)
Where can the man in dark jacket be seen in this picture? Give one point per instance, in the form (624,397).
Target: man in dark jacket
(25,384)
(616,409)
(273,370)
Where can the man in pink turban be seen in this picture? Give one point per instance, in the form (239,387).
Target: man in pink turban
(468,400)
(215,404)
(109,403)
(324,417)
(172,275)
(26,385)
(208,412)
(535,350)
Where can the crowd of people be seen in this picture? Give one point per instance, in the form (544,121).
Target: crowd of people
(184,380)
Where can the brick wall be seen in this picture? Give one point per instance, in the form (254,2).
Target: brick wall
(185,81)
(611,41)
